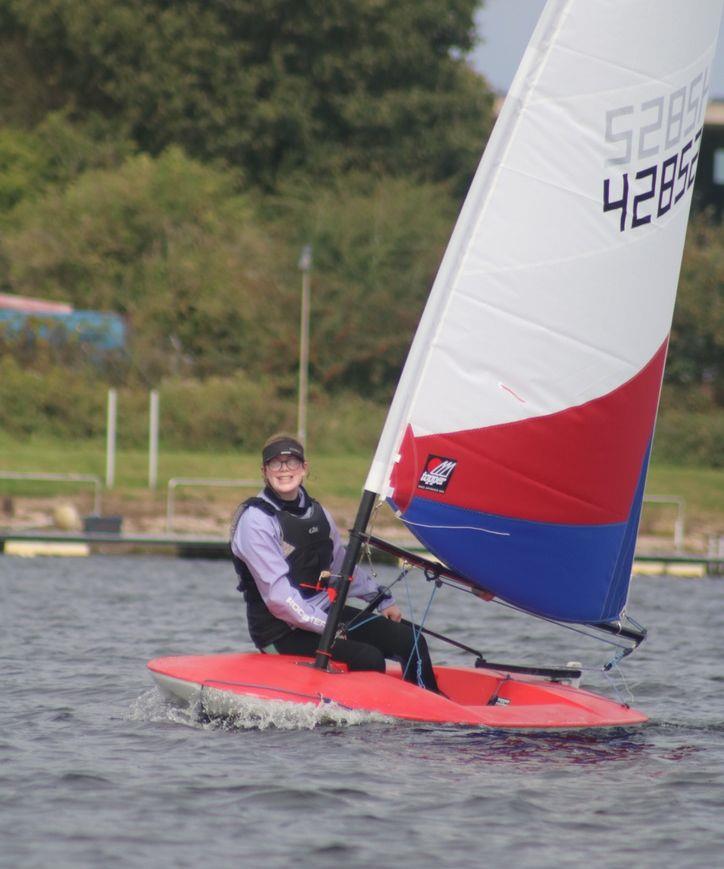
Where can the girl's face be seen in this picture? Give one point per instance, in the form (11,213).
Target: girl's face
(285,474)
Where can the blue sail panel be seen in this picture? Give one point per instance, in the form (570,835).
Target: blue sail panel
(621,578)
(567,572)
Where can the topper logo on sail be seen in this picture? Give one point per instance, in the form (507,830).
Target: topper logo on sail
(437,473)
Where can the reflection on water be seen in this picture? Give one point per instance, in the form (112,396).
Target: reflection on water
(456,745)
(589,747)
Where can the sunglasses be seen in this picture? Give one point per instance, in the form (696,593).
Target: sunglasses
(291,464)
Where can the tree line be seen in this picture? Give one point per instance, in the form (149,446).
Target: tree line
(317,86)
(168,161)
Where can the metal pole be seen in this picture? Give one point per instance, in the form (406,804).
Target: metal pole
(175,482)
(169,503)
(153,439)
(679,526)
(111,439)
(62,478)
(351,558)
(305,265)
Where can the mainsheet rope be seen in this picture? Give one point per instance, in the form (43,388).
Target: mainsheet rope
(607,672)
(417,627)
(566,625)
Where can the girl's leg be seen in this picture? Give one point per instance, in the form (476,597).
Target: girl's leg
(397,640)
(355,654)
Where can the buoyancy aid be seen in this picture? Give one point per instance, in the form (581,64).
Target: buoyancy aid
(307,545)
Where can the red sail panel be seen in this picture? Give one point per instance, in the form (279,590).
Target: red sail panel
(579,466)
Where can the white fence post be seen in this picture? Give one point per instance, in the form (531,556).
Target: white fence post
(153,414)
(111,438)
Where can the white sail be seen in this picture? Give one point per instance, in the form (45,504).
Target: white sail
(549,317)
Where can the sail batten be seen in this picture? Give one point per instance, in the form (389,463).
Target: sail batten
(528,400)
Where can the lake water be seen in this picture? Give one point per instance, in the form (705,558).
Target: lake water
(97,770)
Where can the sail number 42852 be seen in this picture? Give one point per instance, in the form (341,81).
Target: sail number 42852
(658,187)
(655,148)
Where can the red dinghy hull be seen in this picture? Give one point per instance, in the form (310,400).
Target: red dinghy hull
(478,697)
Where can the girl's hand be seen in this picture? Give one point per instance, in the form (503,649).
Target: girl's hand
(392,612)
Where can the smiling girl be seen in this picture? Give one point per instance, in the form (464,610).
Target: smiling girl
(284,544)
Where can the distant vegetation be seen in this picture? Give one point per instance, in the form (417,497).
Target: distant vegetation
(168,161)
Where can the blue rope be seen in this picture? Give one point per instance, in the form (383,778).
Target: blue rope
(416,634)
(386,588)
(364,622)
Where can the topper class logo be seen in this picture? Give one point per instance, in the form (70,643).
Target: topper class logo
(436,474)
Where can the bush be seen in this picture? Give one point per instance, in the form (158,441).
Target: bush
(217,413)
(344,423)
(55,403)
(237,412)
(173,246)
(694,439)
(377,243)
(696,349)
(54,154)
(241,412)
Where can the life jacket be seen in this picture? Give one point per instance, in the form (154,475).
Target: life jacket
(308,543)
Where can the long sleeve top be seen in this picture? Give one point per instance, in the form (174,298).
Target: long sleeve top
(258,542)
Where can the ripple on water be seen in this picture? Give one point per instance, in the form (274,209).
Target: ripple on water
(98,771)
(220,710)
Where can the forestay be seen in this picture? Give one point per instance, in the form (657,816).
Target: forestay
(517,444)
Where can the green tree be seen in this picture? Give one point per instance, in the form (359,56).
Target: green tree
(208,280)
(377,244)
(21,167)
(324,85)
(170,244)
(696,351)
(55,152)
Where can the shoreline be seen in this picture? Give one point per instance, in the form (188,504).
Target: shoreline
(196,517)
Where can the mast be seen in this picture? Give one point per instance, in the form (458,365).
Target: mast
(342,582)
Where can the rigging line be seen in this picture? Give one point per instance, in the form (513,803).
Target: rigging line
(615,685)
(353,625)
(448,640)
(414,637)
(452,527)
(417,630)
(380,596)
(637,625)
(371,524)
(366,544)
(569,627)
(383,589)
(619,656)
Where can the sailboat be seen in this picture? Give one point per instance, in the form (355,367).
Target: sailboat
(517,443)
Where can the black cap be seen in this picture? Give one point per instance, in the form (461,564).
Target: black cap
(282,447)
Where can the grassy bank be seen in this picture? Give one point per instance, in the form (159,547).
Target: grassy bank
(335,478)
(339,476)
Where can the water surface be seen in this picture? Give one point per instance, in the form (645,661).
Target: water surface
(97,770)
